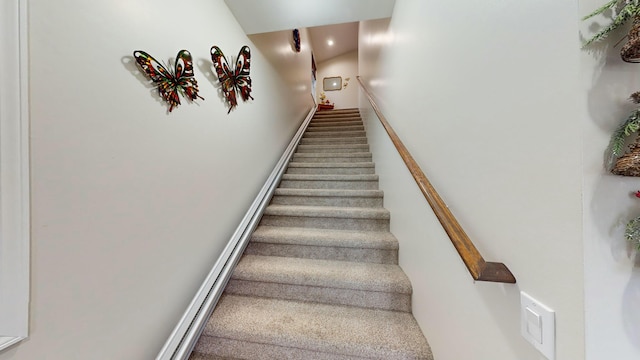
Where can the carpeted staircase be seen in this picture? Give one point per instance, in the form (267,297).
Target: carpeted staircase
(319,279)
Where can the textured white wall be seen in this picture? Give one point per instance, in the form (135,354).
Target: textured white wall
(485,96)
(346,66)
(131,205)
(612,274)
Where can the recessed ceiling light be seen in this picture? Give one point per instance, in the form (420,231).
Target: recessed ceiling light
(330,42)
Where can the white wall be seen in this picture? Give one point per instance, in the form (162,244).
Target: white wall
(294,68)
(485,97)
(612,275)
(131,205)
(346,66)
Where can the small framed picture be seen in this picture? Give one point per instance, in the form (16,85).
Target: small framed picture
(332,83)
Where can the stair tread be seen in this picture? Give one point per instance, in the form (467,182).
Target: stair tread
(368,333)
(323,273)
(345,117)
(328,211)
(341,114)
(339,140)
(336,128)
(333,133)
(330,155)
(334,146)
(325,237)
(338,177)
(329,192)
(368,164)
(337,122)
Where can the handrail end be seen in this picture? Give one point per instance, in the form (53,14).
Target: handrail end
(496,272)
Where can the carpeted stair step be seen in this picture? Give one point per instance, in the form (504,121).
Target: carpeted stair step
(331,122)
(328,197)
(338,112)
(344,148)
(341,115)
(368,285)
(244,327)
(331,168)
(319,124)
(359,246)
(344,115)
(322,181)
(333,134)
(332,157)
(311,129)
(329,141)
(326,217)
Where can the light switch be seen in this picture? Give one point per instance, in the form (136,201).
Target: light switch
(534,325)
(537,325)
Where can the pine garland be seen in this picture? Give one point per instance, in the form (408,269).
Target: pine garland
(628,9)
(616,145)
(632,232)
(602,9)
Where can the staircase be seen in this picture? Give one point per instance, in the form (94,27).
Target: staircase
(319,279)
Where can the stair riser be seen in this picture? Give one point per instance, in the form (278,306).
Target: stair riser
(219,348)
(341,201)
(337,116)
(333,149)
(330,171)
(321,124)
(330,184)
(333,134)
(338,159)
(337,113)
(338,121)
(326,223)
(332,141)
(324,295)
(376,256)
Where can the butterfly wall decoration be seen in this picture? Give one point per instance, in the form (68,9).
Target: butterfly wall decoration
(170,83)
(296,39)
(233,80)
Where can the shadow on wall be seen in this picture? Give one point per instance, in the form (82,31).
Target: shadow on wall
(508,295)
(630,301)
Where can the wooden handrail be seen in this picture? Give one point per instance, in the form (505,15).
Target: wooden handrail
(480,269)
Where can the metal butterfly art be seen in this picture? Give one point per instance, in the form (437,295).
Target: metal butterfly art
(235,79)
(296,39)
(170,83)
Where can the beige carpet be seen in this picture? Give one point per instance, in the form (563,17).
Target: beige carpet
(319,279)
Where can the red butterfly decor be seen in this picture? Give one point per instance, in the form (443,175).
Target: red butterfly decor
(170,83)
(235,79)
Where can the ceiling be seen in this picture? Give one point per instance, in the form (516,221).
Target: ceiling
(344,36)
(324,19)
(260,16)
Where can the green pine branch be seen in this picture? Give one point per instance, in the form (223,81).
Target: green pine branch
(632,232)
(629,10)
(616,146)
(601,9)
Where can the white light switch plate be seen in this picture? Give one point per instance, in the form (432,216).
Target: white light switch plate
(538,325)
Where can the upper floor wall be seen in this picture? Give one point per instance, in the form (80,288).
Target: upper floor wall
(346,67)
